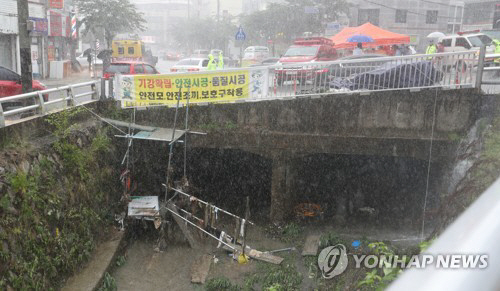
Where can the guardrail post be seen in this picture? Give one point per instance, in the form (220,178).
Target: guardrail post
(111,88)
(71,95)
(103,89)
(94,90)
(41,110)
(2,118)
(480,67)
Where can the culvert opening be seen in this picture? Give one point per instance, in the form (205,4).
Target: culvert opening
(356,190)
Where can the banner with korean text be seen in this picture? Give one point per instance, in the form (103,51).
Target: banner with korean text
(200,87)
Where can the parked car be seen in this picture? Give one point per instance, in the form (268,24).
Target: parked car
(82,59)
(129,68)
(173,56)
(10,84)
(200,54)
(190,65)
(254,55)
(465,41)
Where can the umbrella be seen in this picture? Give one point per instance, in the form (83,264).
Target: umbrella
(104,54)
(435,34)
(360,38)
(87,52)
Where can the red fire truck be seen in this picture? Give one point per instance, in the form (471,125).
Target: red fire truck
(305,50)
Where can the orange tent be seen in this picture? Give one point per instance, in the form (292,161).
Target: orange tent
(379,35)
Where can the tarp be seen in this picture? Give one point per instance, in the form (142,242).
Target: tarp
(391,76)
(379,35)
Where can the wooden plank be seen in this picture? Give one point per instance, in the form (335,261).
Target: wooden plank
(311,245)
(182,225)
(200,269)
(257,255)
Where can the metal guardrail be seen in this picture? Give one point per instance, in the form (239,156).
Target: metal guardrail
(362,75)
(413,72)
(40,103)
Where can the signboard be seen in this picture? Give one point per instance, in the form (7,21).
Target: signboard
(41,25)
(55,24)
(143,206)
(240,35)
(203,87)
(59,4)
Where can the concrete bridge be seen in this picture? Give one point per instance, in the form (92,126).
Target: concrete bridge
(397,124)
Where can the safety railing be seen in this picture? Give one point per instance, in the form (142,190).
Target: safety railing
(370,73)
(39,103)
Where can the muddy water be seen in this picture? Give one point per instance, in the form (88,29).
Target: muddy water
(146,269)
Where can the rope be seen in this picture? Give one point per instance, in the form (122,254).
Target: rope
(102,119)
(429,166)
(186,130)
(170,154)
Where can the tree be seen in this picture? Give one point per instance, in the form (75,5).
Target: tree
(112,16)
(204,33)
(289,20)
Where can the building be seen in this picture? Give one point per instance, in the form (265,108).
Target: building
(50,34)
(481,14)
(416,18)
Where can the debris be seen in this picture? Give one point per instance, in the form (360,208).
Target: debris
(181,223)
(200,269)
(215,260)
(311,245)
(281,250)
(257,255)
(242,259)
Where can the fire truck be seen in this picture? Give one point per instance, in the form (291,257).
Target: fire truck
(305,50)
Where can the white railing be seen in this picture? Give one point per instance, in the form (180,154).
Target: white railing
(364,75)
(16,108)
(374,73)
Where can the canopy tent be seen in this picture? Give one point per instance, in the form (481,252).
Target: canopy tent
(379,35)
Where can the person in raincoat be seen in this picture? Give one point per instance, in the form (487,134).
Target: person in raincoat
(431,49)
(220,65)
(211,63)
(496,43)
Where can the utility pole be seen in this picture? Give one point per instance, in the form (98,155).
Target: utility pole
(218,10)
(24,45)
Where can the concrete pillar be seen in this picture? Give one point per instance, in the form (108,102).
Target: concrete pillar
(280,181)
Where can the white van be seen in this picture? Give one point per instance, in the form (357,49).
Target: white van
(255,54)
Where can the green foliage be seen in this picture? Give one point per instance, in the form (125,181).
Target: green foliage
(120,261)
(330,239)
(220,284)
(114,16)
(282,22)
(50,236)
(291,232)
(424,245)
(380,280)
(276,277)
(108,283)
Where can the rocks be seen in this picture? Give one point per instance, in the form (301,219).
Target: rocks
(2,171)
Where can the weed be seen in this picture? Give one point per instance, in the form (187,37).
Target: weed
(120,261)
(108,283)
(220,284)
(291,232)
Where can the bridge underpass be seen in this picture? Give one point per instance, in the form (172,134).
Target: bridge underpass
(272,149)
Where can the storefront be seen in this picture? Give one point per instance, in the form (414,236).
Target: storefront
(38,39)
(8,34)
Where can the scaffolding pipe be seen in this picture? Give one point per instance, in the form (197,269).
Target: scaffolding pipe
(206,203)
(213,236)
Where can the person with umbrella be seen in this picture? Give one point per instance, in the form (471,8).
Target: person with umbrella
(359,39)
(358,50)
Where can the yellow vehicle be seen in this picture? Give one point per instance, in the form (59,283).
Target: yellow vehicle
(131,50)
